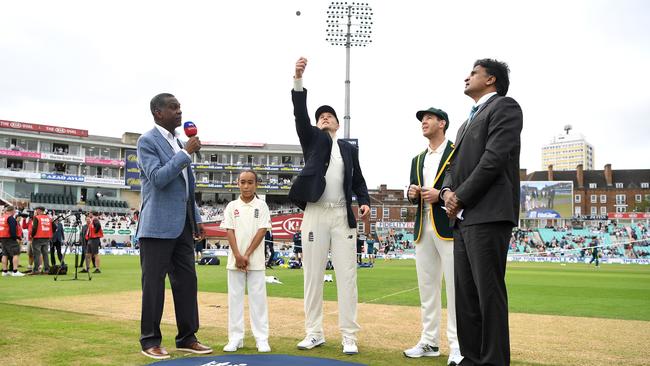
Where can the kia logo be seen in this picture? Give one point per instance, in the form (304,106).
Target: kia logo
(292,225)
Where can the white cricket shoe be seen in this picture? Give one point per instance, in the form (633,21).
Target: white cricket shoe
(5,274)
(263,346)
(17,274)
(233,346)
(311,341)
(454,358)
(349,346)
(422,350)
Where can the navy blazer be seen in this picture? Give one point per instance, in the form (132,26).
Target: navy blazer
(316,148)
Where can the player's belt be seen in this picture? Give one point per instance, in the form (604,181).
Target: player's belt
(326,204)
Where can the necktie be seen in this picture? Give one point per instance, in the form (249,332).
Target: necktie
(472,113)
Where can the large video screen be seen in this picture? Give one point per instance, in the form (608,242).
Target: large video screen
(546,200)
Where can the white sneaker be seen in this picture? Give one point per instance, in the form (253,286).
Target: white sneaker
(422,349)
(263,346)
(454,357)
(5,274)
(311,341)
(17,274)
(349,346)
(233,346)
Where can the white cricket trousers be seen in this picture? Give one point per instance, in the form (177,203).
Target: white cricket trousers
(257,306)
(433,257)
(326,229)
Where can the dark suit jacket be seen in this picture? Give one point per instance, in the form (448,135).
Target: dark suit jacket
(440,220)
(316,148)
(484,172)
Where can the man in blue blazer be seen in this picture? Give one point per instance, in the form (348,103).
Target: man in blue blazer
(169,220)
(324,190)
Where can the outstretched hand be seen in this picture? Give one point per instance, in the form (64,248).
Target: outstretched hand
(301,64)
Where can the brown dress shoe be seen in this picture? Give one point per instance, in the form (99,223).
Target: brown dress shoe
(196,347)
(156,352)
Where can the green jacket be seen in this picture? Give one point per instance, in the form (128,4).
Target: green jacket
(440,220)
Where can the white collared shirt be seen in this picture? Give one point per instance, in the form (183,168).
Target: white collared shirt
(483,99)
(334,177)
(246,219)
(430,165)
(172,140)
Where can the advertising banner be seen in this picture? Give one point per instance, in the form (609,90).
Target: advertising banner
(105,162)
(20,154)
(61,177)
(131,170)
(628,215)
(284,226)
(214,230)
(43,128)
(64,158)
(546,200)
(97,180)
(395,225)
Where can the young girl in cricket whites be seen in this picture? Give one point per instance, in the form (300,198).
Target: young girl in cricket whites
(247,219)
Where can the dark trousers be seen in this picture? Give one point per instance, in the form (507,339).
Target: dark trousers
(55,245)
(173,257)
(481,296)
(269,245)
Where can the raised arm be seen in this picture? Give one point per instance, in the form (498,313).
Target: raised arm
(305,130)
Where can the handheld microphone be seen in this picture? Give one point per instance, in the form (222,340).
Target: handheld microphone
(190,131)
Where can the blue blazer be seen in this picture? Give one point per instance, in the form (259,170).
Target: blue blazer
(164,201)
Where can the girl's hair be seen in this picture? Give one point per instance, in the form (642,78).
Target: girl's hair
(249,171)
(254,174)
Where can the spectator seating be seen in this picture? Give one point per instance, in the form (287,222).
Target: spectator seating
(53,198)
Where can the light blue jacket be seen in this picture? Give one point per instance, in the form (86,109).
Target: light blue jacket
(164,201)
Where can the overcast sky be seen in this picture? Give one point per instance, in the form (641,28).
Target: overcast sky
(95,65)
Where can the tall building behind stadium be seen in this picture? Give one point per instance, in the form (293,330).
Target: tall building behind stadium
(568,150)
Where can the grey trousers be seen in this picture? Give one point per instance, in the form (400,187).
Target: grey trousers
(40,247)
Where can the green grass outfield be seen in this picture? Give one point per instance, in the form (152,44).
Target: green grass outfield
(62,337)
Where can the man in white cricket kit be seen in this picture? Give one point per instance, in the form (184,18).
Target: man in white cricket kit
(434,246)
(324,190)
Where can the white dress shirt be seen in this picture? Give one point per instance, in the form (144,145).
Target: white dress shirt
(173,142)
(334,177)
(482,100)
(430,166)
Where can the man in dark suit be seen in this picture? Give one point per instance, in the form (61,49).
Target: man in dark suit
(169,220)
(481,195)
(324,190)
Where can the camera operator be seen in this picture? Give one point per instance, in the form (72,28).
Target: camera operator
(41,232)
(57,240)
(10,234)
(93,236)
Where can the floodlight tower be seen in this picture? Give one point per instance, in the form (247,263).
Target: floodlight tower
(342,31)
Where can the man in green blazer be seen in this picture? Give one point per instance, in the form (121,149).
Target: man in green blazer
(434,249)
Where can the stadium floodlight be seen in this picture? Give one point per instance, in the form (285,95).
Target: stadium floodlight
(342,31)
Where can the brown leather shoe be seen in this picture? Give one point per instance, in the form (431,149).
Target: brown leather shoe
(156,352)
(196,347)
